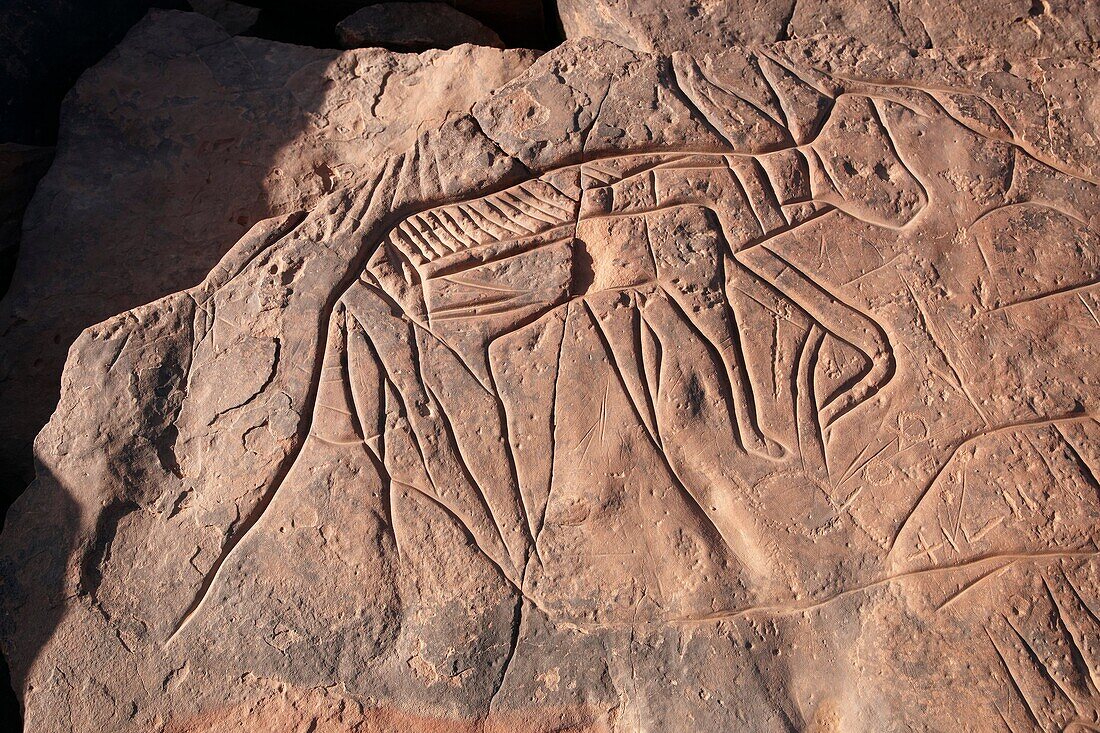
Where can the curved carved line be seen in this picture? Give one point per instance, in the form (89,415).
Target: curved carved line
(927,490)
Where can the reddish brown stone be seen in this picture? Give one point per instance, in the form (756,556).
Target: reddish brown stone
(1021,28)
(746,391)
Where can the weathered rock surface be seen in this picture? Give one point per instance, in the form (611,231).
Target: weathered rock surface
(1056,28)
(749,392)
(413,27)
(172,148)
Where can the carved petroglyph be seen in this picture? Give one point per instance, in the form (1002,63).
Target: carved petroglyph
(621,283)
(739,390)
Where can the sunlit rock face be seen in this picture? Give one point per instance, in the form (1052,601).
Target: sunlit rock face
(1020,28)
(748,391)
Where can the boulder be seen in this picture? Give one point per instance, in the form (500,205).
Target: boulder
(757,390)
(413,27)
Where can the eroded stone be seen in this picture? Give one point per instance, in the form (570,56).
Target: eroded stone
(1024,28)
(173,147)
(756,390)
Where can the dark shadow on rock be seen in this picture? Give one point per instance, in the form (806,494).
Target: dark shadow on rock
(11,485)
(21,167)
(83,260)
(171,149)
(36,550)
(553,32)
(46,45)
(164,159)
(520,24)
(9,703)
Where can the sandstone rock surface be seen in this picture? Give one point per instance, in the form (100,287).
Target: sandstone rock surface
(413,27)
(172,148)
(753,391)
(1055,28)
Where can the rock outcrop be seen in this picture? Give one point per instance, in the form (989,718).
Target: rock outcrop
(748,391)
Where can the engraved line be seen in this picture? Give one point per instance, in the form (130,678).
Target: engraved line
(1015,682)
(1045,296)
(1075,635)
(1069,417)
(990,575)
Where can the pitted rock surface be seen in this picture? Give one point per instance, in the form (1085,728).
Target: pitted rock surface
(1015,28)
(748,391)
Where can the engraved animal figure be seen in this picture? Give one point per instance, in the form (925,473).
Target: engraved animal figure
(674,234)
(636,242)
(578,343)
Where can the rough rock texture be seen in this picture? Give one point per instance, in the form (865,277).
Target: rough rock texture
(1016,27)
(413,27)
(750,392)
(172,148)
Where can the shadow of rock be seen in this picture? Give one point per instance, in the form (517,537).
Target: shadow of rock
(47,45)
(21,167)
(171,149)
(36,552)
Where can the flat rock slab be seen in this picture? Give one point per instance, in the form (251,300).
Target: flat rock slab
(757,390)
(172,148)
(413,27)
